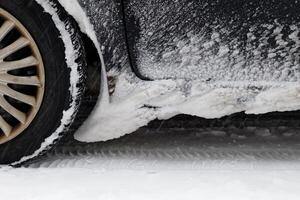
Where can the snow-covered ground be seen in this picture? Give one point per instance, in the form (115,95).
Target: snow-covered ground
(166,166)
(152,181)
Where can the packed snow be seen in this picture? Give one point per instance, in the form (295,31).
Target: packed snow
(173,167)
(106,183)
(135,103)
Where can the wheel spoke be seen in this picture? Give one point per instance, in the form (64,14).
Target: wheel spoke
(6,27)
(22,77)
(19,64)
(12,110)
(20,80)
(14,47)
(5,90)
(6,128)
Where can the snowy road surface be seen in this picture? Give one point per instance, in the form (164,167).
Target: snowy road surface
(163,166)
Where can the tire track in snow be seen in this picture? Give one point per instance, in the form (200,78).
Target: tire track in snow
(155,146)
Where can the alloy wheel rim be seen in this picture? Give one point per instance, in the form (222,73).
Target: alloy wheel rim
(22,78)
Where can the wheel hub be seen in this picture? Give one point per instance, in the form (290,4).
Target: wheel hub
(22,77)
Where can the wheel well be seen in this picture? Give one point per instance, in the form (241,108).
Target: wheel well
(93,66)
(91,55)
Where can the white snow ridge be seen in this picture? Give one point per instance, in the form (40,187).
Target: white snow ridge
(135,103)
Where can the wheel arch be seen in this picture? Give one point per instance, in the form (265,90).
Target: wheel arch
(92,47)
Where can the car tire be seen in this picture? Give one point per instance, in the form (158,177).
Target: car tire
(58,40)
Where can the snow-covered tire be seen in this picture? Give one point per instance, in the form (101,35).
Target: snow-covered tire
(60,45)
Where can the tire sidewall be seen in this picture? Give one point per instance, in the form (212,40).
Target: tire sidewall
(57,96)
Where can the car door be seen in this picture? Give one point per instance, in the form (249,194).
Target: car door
(214,40)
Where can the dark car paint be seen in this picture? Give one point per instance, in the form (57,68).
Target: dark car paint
(174,19)
(122,24)
(107,18)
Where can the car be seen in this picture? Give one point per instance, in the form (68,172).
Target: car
(124,63)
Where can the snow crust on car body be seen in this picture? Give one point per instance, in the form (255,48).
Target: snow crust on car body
(212,40)
(136,102)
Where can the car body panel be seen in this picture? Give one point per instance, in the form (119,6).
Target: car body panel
(216,87)
(107,19)
(215,40)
